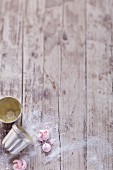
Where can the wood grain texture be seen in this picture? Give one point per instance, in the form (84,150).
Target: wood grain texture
(56,59)
(52,27)
(10,56)
(33,68)
(10,52)
(99,85)
(72,103)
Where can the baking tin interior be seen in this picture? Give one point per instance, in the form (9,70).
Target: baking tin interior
(10,109)
(24,132)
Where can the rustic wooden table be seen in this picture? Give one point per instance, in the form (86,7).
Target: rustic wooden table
(57,55)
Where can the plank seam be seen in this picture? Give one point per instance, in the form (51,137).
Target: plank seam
(22,100)
(85,120)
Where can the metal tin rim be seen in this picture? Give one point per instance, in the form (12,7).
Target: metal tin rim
(22,133)
(20,110)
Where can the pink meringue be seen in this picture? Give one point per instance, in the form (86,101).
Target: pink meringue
(43,135)
(19,165)
(46,147)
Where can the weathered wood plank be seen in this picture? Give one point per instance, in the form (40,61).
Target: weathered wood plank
(52,27)
(33,72)
(41,68)
(10,56)
(45,64)
(99,85)
(72,104)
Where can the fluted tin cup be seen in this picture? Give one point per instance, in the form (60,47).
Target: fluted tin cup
(16,140)
(10,109)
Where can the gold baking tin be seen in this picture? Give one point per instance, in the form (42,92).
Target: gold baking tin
(10,109)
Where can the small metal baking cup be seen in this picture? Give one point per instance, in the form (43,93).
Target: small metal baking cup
(16,140)
(10,109)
